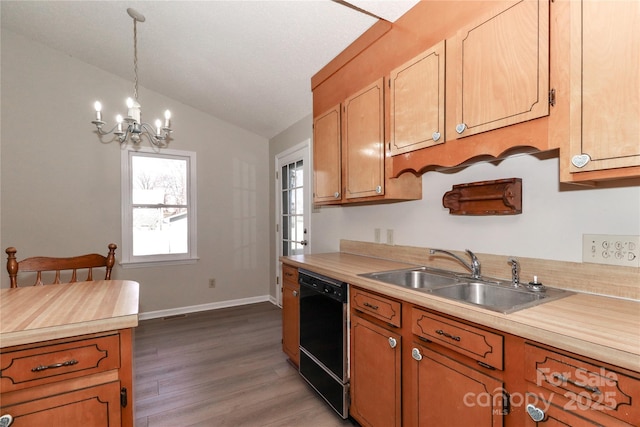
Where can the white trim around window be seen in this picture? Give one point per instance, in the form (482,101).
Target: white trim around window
(188,253)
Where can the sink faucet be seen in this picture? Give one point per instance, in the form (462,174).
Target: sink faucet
(473,266)
(515,268)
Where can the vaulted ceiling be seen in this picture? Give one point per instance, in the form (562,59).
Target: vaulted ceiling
(246,62)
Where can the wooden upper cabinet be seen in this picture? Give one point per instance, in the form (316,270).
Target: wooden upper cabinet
(363,142)
(604,130)
(417,94)
(327,160)
(499,69)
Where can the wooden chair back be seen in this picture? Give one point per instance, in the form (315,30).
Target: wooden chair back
(41,264)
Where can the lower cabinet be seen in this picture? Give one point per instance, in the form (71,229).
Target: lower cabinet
(412,366)
(376,354)
(97,406)
(78,381)
(291,313)
(449,393)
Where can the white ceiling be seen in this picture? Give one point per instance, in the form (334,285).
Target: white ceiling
(246,62)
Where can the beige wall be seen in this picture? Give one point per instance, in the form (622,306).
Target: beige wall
(61,186)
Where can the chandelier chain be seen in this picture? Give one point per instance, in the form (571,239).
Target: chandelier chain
(135,59)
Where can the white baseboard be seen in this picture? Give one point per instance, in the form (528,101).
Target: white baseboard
(205,307)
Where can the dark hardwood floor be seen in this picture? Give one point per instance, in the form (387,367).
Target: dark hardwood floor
(221,368)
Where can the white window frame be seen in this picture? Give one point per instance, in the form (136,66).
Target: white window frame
(127,257)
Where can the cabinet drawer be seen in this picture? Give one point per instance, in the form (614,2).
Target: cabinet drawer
(588,385)
(478,344)
(290,274)
(377,306)
(30,367)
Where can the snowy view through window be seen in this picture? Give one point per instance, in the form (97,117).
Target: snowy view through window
(159,202)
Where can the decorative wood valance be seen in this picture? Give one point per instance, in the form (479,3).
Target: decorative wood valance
(499,197)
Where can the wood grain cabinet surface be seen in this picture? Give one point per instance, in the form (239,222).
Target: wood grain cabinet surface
(85,380)
(327,157)
(500,68)
(291,313)
(604,88)
(580,389)
(416,114)
(376,363)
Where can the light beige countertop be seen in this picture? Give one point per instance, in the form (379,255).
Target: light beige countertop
(600,327)
(40,313)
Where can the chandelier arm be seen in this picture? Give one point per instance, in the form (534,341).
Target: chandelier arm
(102,132)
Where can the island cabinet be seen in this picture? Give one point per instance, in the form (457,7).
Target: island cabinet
(291,313)
(66,353)
(83,380)
(376,360)
(349,153)
(600,140)
(566,389)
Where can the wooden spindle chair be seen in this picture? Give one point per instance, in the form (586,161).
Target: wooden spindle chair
(41,264)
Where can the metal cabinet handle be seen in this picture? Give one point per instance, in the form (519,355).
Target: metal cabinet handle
(379,189)
(535,413)
(371,306)
(336,195)
(587,387)
(55,365)
(6,420)
(415,353)
(392,342)
(295,293)
(461,127)
(445,334)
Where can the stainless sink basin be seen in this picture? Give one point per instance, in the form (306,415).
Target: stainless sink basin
(492,294)
(497,297)
(416,278)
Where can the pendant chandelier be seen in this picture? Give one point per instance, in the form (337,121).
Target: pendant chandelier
(131,127)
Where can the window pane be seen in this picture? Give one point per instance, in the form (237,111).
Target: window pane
(284,177)
(158,180)
(285,227)
(285,202)
(155,232)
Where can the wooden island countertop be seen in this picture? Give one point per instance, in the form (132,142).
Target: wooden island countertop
(42,313)
(600,327)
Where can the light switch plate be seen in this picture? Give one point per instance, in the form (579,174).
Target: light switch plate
(611,249)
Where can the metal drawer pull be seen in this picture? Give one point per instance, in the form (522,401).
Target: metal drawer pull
(55,365)
(295,293)
(564,379)
(415,353)
(392,342)
(453,337)
(535,413)
(371,306)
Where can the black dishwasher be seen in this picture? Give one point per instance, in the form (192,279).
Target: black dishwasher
(323,338)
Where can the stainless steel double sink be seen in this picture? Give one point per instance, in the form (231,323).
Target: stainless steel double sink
(493,294)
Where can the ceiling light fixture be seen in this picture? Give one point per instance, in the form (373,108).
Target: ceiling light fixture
(131,127)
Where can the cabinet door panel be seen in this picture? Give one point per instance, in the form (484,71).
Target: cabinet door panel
(327,168)
(97,406)
(605,84)
(375,375)
(291,318)
(502,69)
(449,393)
(417,102)
(363,142)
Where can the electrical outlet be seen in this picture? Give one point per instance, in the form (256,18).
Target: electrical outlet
(390,236)
(212,283)
(611,249)
(376,235)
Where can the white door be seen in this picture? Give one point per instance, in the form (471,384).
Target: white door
(293,205)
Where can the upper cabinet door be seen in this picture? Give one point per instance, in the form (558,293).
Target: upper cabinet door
(327,163)
(417,96)
(363,142)
(605,87)
(501,69)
